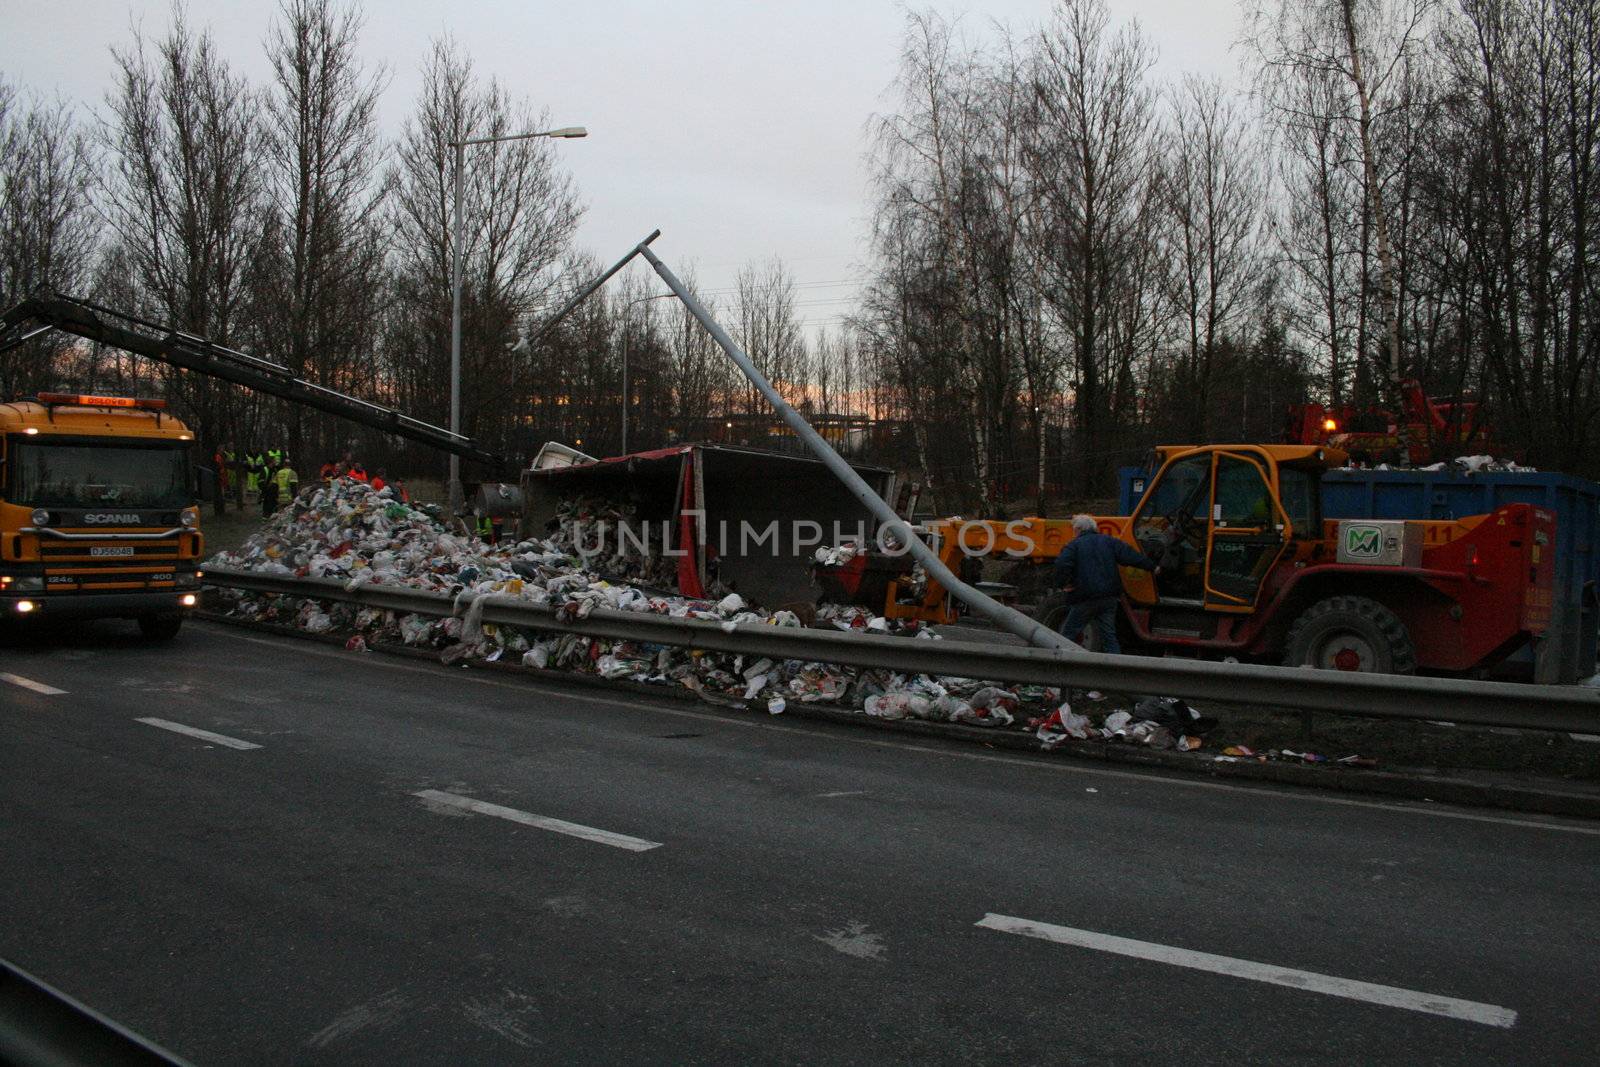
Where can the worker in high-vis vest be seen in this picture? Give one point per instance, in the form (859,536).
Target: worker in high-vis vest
(235,477)
(483,526)
(255,468)
(288,483)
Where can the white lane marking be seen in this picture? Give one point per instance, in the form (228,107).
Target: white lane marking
(1052,766)
(1388,995)
(29,683)
(204,735)
(844,793)
(542,822)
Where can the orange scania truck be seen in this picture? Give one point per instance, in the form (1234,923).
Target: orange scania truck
(98,512)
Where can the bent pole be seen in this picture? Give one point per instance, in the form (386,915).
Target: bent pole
(584,293)
(1007,618)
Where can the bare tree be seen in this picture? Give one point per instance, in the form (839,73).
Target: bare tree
(1213,196)
(319,302)
(184,198)
(1361,50)
(520,214)
(769,331)
(48,232)
(1094,165)
(953,282)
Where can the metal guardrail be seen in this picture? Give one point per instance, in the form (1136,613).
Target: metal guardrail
(1569,709)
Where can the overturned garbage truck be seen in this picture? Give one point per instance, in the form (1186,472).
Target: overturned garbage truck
(704,516)
(1252,568)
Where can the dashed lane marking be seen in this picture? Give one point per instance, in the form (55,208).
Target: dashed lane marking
(1390,996)
(204,735)
(541,822)
(566,694)
(29,683)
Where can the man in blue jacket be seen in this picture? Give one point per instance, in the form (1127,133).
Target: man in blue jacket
(1087,570)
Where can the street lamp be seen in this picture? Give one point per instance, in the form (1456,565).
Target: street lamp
(627,330)
(455,288)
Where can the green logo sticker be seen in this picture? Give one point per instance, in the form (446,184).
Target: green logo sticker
(1363,541)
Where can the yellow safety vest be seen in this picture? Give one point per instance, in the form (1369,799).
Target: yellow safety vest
(285,478)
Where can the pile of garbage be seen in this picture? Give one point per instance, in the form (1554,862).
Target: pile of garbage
(344,530)
(347,531)
(591,528)
(1480,465)
(1467,464)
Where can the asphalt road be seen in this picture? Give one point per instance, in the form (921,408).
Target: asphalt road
(723,888)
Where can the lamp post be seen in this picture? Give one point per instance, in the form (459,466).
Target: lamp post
(627,333)
(455,287)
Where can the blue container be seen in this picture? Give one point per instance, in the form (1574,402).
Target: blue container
(1131,484)
(1567,652)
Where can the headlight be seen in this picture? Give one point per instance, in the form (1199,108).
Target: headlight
(40,517)
(188,517)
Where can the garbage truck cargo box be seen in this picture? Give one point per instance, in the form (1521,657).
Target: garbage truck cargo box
(749,518)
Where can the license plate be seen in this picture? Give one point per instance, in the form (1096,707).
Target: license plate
(111,553)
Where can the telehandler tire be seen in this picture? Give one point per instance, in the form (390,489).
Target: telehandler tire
(1350,633)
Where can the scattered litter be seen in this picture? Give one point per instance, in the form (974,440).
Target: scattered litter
(347,532)
(1061,724)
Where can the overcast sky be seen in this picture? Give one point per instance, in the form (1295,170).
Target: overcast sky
(735,127)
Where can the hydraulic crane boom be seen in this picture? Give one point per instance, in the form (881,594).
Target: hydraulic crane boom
(95,323)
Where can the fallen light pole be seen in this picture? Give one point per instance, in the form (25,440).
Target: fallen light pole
(1007,618)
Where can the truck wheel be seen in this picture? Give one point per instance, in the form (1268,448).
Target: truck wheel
(160,627)
(1052,612)
(1350,633)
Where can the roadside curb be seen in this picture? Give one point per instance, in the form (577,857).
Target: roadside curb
(1418,784)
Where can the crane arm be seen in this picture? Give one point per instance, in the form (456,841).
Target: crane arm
(95,323)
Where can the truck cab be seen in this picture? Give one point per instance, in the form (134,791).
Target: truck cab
(98,512)
(1219,519)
